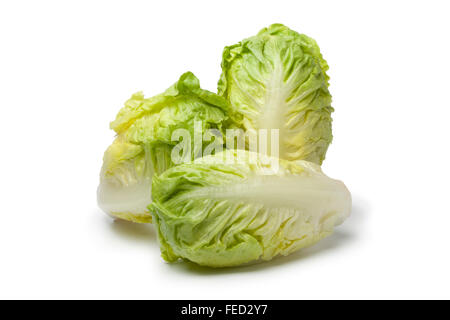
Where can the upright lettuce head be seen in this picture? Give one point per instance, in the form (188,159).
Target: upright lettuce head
(144,144)
(235,207)
(277,80)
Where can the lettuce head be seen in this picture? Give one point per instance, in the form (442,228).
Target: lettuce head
(144,143)
(235,207)
(277,80)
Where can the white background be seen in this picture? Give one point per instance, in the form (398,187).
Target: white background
(66,67)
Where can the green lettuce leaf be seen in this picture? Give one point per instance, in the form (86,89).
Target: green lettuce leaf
(144,144)
(277,80)
(235,207)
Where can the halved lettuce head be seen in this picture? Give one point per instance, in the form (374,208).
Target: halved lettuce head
(277,80)
(144,144)
(237,206)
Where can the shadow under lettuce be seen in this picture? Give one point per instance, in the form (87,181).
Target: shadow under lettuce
(142,232)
